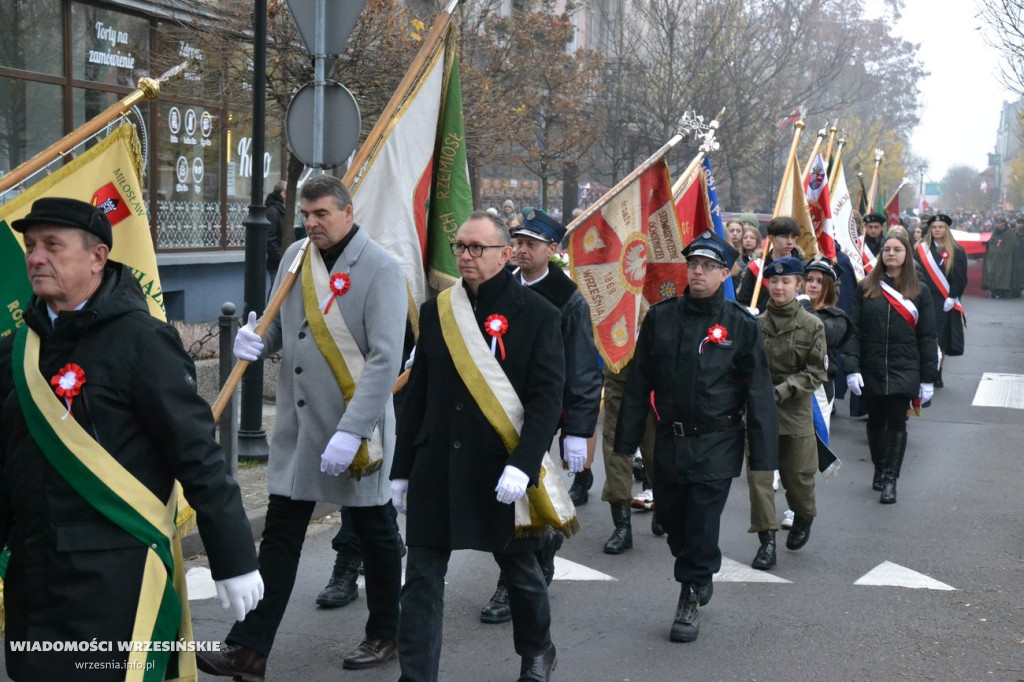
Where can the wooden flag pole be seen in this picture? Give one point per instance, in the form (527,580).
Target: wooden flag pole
(797,129)
(273,306)
(760,272)
(814,151)
(874,180)
(432,43)
(831,142)
(621,185)
(148,88)
(836,165)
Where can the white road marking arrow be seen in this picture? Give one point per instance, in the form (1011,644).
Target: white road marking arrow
(1000,390)
(570,570)
(735,572)
(888,573)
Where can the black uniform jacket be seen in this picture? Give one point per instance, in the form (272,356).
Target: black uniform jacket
(957,279)
(581,399)
(892,357)
(838,334)
(444,444)
(73,574)
(700,390)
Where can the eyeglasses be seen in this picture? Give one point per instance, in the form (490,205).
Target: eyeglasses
(475,250)
(705,265)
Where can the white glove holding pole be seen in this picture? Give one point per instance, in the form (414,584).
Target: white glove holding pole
(855,382)
(753,310)
(412,356)
(241,593)
(948,304)
(399,487)
(512,484)
(575,453)
(927,391)
(339,453)
(248,345)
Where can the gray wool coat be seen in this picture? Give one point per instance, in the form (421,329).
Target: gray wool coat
(310,406)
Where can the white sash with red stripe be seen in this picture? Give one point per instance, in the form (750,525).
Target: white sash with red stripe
(904,306)
(938,277)
(869,258)
(755,267)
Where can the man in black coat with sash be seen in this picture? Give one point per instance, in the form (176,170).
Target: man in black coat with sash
(482,406)
(704,358)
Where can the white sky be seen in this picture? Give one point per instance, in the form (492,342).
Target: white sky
(962,98)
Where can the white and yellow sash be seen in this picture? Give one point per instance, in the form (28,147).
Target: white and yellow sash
(546,505)
(341,351)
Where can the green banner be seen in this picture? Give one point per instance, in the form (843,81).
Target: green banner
(15,290)
(451,198)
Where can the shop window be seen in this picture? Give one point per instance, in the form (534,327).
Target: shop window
(29,31)
(108,47)
(31,119)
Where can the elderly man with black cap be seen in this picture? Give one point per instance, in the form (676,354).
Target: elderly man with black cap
(100,416)
(535,242)
(703,358)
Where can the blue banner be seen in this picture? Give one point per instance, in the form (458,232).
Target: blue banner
(716,219)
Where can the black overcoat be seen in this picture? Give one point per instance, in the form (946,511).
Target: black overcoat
(947,323)
(446,448)
(73,574)
(700,388)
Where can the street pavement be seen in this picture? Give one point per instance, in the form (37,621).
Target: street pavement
(927,589)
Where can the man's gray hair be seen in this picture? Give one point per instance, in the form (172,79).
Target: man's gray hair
(504,238)
(320,186)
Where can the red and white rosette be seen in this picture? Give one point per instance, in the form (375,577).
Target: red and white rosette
(942,258)
(716,334)
(340,284)
(67,383)
(496,326)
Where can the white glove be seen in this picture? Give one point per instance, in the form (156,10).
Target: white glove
(753,310)
(948,304)
(575,453)
(412,355)
(241,593)
(927,391)
(512,484)
(248,345)
(339,453)
(855,382)
(399,487)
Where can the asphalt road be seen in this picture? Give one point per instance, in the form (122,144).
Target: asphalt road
(957,522)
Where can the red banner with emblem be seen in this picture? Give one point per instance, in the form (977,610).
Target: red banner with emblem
(628,256)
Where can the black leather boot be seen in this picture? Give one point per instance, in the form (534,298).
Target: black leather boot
(656,527)
(800,533)
(765,558)
(341,588)
(876,445)
(546,554)
(896,446)
(579,491)
(686,625)
(497,610)
(622,536)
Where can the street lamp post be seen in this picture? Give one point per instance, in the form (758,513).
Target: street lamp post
(252,439)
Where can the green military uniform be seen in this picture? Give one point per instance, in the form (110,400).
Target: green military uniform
(618,470)
(795,345)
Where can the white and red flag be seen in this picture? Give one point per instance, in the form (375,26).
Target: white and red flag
(820,207)
(847,236)
(627,256)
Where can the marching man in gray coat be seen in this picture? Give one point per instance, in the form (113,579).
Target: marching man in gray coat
(341,329)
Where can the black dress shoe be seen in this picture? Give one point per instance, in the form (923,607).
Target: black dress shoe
(656,527)
(538,668)
(233,660)
(370,654)
(579,492)
(497,610)
(800,533)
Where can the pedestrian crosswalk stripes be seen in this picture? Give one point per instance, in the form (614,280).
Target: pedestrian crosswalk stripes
(1000,390)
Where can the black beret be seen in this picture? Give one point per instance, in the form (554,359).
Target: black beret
(68,212)
(788,265)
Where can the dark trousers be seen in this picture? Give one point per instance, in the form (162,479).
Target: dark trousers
(280,549)
(887,412)
(691,514)
(346,541)
(421,624)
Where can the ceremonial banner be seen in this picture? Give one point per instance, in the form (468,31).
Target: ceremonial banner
(892,210)
(794,204)
(106,175)
(846,234)
(451,198)
(716,220)
(626,256)
(391,196)
(14,286)
(820,208)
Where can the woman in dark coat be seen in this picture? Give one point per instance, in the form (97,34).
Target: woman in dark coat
(945,267)
(893,356)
